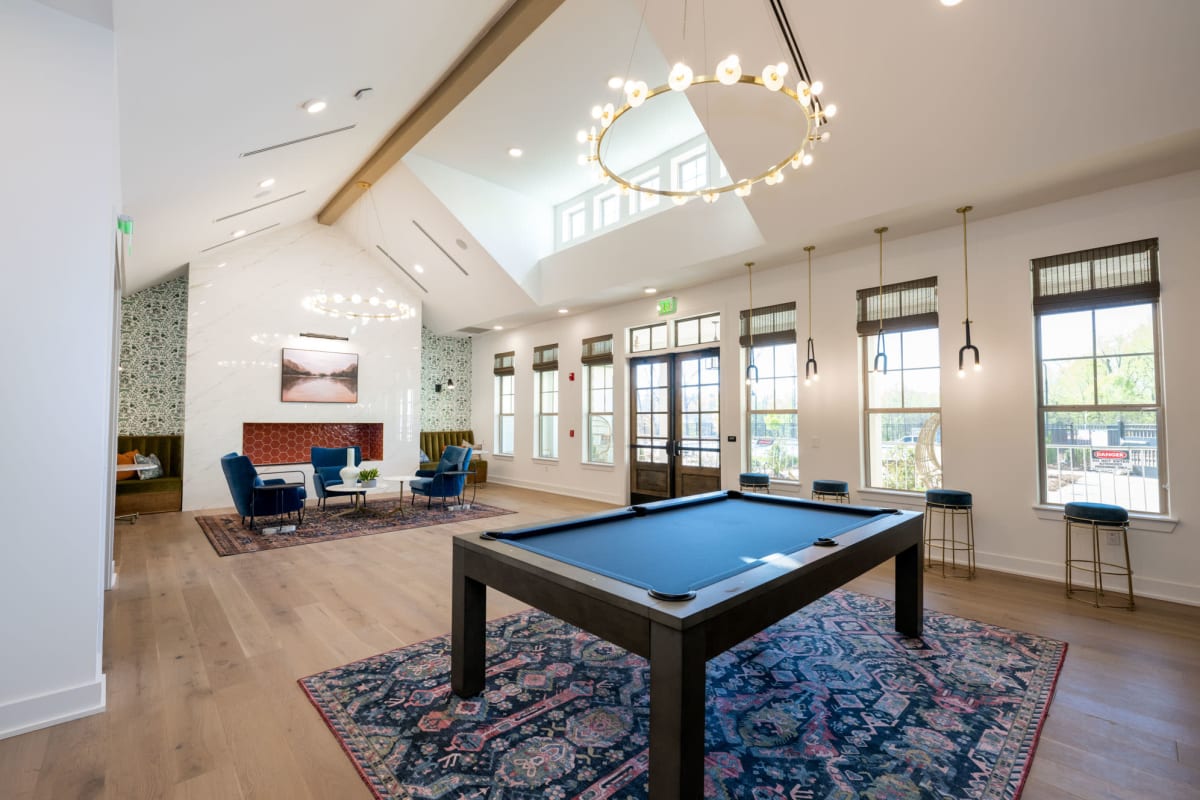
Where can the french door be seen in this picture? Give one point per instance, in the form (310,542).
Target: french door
(675,425)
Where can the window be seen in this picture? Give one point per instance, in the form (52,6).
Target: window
(691,170)
(698,330)
(1100,412)
(606,209)
(902,419)
(772,436)
(598,399)
(641,202)
(545,366)
(648,337)
(573,223)
(503,403)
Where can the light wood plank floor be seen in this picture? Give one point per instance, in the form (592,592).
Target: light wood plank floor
(202,655)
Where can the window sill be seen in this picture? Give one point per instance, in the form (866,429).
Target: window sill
(599,465)
(1152,523)
(503,456)
(913,501)
(540,460)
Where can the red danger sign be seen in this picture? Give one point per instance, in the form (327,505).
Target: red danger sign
(1110,455)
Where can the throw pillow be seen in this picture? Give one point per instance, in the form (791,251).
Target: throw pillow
(126,458)
(465,443)
(157,468)
(424,458)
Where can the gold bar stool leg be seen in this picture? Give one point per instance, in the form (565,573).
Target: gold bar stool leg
(1098,516)
(951,503)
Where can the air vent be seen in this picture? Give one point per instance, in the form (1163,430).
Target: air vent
(240,238)
(439,247)
(326,336)
(271,147)
(472,330)
(260,205)
(401,268)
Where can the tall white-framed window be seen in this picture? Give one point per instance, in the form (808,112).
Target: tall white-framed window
(648,337)
(689,170)
(902,413)
(642,202)
(1100,409)
(772,435)
(597,360)
(574,222)
(503,403)
(545,388)
(606,209)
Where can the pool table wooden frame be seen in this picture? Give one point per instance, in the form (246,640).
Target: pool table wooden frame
(676,637)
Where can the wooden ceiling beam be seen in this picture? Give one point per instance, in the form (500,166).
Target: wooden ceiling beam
(513,27)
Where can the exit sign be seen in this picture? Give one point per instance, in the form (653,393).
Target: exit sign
(666,305)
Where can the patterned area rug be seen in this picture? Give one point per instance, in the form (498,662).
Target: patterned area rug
(229,537)
(828,703)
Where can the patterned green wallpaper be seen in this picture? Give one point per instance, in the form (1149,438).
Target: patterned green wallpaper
(443,358)
(153,360)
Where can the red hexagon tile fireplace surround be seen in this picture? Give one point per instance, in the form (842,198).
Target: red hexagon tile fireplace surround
(269,443)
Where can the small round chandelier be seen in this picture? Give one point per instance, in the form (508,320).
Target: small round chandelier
(728,73)
(357,307)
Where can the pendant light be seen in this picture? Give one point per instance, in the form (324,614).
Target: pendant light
(751,370)
(810,366)
(880,348)
(966,302)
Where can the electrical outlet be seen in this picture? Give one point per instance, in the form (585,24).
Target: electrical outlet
(1114,538)
(816,442)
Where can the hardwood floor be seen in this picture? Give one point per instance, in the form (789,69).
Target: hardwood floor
(202,655)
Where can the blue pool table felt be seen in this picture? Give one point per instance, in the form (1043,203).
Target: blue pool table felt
(674,551)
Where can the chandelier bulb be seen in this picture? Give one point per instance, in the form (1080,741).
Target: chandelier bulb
(338,298)
(962,373)
(711,197)
(581,137)
(635,93)
(772,76)
(373,300)
(356,298)
(729,70)
(582,160)
(743,189)
(679,200)
(596,112)
(978,367)
(807,382)
(816,88)
(830,111)
(808,159)
(681,77)
(606,115)
(824,137)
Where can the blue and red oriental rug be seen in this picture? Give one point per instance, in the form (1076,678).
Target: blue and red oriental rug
(828,703)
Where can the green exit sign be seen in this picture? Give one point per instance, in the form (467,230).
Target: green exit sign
(666,305)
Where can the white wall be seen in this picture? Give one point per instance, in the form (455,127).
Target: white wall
(996,461)
(58,196)
(238,326)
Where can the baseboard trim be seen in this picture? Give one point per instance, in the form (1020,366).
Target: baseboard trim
(566,491)
(1153,588)
(34,713)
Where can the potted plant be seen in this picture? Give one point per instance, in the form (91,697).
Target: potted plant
(367,477)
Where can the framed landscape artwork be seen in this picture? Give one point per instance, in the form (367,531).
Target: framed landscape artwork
(314,376)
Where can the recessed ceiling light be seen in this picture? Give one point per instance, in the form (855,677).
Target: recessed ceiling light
(239,233)
(949,3)
(418,268)
(515,152)
(615,83)
(564,311)
(315,106)
(220,265)
(497,327)
(266,183)
(649,290)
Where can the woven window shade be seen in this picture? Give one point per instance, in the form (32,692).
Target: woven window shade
(598,350)
(503,364)
(772,325)
(1105,276)
(906,306)
(545,357)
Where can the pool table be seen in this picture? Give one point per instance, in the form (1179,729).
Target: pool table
(678,582)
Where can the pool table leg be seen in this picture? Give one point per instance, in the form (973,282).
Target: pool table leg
(467,646)
(910,591)
(676,714)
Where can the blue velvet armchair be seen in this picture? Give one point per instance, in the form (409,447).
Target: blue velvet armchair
(447,480)
(252,498)
(327,464)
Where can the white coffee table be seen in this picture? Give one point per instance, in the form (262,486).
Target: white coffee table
(363,491)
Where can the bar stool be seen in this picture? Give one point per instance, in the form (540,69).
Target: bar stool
(1099,516)
(952,504)
(758,481)
(831,491)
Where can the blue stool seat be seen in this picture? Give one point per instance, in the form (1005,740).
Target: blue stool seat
(954,498)
(1096,512)
(831,487)
(755,481)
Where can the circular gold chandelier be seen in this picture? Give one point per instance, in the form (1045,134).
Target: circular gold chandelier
(728,73)
(355,306)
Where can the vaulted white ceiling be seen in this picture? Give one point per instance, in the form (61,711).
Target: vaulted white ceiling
(1002,105)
